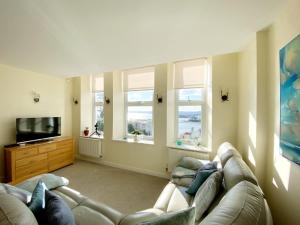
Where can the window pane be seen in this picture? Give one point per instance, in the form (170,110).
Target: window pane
(100,118)
(189,122)
(140,96)
(140,118)
(195,94)
(99,96)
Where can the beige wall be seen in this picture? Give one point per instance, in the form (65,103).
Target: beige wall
(283,176)
(259,111)
(153,159)
(252,125)
(16,98)
(224,114)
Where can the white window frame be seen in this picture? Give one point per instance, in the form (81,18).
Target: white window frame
(95,104)
(138,103)
(179,103)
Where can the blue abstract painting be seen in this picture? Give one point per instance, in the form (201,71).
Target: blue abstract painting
(290,100)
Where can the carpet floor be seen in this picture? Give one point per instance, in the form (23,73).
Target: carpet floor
(123,190)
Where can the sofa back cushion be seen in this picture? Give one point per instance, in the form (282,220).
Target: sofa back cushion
(226,151)
(207,193)
(235,171)
(15,212)
(244,204)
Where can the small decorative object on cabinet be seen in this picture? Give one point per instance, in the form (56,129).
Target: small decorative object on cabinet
(23,162)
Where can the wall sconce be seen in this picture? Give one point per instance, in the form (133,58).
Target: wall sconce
(75,101)
(159,99)
(224,96)
(107,100)
(36,97)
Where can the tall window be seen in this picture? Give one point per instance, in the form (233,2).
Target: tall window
(98,99)
(139,89)
(190,85)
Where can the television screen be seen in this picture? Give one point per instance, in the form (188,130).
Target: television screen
(33,129)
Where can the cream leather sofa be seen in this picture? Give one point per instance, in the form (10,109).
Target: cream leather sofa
(241,202)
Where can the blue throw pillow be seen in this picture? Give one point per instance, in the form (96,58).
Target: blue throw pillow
(201,176)
(37,202)
(57,211)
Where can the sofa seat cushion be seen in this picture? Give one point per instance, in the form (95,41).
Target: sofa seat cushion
(72,197)
(85,215)
(141,216)
(87,211)
(243,205)
(186,217)
(235,171)
(173,198)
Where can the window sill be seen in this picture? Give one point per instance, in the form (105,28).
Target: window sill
(131,141)
(93,137)
(189,148)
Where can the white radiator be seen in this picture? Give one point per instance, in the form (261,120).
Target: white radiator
(175,155)
(90,147)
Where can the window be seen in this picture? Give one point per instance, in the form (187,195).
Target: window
(189,82)
(139,90)
(98,100)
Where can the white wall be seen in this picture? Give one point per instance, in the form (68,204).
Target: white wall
(16,100)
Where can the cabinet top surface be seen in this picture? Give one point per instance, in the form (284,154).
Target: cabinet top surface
(32,145)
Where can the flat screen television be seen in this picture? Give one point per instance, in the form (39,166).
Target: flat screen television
(35,129)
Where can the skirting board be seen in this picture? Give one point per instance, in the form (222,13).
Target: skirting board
(124,167)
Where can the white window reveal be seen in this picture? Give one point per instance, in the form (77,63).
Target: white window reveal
(190,84)
(138,87)
(98,100)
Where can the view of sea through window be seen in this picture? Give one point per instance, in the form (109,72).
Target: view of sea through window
(139,112)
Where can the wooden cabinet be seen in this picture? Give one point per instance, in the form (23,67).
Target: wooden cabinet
(23,162)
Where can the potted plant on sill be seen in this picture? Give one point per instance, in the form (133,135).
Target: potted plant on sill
(136,134)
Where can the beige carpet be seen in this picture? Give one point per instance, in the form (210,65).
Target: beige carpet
(123,190)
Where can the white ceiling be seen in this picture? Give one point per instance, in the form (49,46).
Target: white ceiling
(74,37)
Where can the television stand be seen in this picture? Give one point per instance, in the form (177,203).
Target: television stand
(23,162)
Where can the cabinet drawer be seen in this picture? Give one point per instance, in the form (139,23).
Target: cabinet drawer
(47,148)
(60,160)
(30,160)
(32,169)
(59,152)
(20,154)
(65,144)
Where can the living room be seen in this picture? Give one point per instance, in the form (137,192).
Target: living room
(138,89)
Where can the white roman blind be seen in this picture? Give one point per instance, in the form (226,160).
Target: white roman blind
(98,83)
(139,79)
(190,74)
